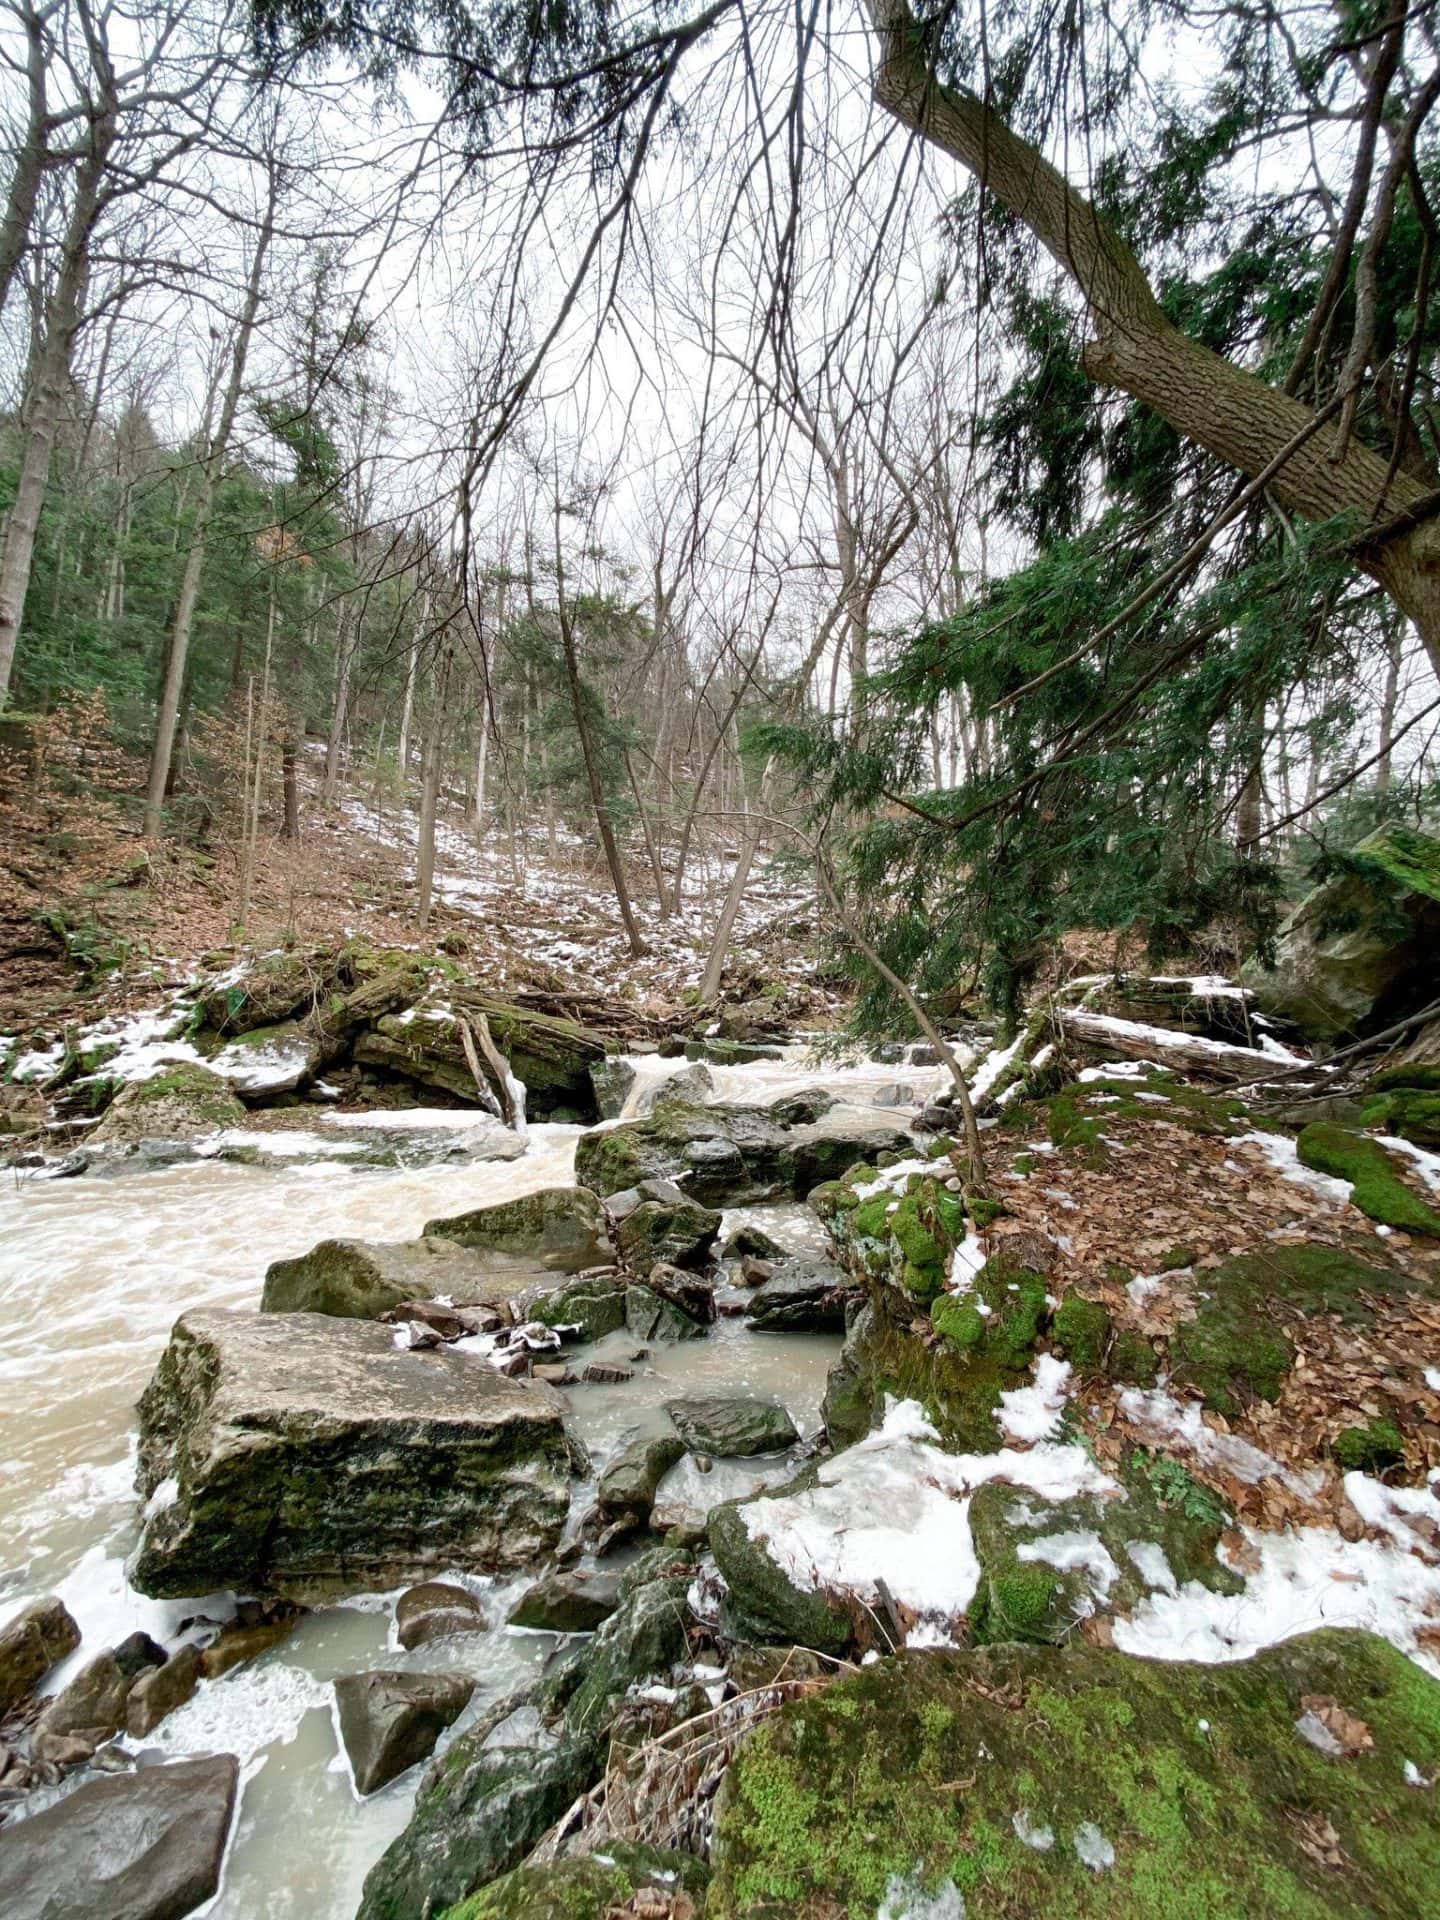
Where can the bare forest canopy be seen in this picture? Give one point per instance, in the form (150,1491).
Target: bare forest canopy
(988,456)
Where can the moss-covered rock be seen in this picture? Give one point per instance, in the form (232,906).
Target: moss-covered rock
(1082,1785)
(1411,1112)
(1379,1190)
(678,1233)
(1047,1565)
(733,1154)
(364,1279)
(1235,1350)
(763,1604)
(651,1315)
(595,1304)
(181,1102)
(1081,1331)
(275,987)
(642,1640)
(1081,1112)
(479,1811)
(1358,952)
(301,1454)
(560,1228)
(590,1888)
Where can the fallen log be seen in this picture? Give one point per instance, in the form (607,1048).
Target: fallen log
(1106,1035)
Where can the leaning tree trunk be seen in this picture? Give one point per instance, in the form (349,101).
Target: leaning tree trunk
(1231,413)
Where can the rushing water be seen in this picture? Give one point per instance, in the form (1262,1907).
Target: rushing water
(92,1274)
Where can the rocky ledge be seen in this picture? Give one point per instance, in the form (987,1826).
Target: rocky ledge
(298,1453)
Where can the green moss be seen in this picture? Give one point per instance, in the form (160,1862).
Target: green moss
(1423,1079)
(1379,1191)
(1081,1114)
(1025,1164)
(960,1321)
(1229,1355)
(1082,1329)
(1369,1449)
(1132,1360)
(1177,1259)
(1018,1604)
(986,1211)
(1017,1299)
(1195,1775)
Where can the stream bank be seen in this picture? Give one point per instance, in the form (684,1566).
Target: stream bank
(1049,1425)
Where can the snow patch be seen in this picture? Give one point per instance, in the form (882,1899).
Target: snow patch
(1034,1412)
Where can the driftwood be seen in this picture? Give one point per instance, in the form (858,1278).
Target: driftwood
(1108,1037)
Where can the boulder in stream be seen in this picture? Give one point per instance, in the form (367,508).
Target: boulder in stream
(363,1279)
(733,1156)
(389,1722)
(653,1315)
(805,1294)
(181,1102)
(84,1714)
(301,1454)
(680,1233)
(559,1229)
(732,1426)
(36,1639)
(479,1811)
(433,1611)
(145,1845)
(570,1600)
(633,1472)
(594,1304)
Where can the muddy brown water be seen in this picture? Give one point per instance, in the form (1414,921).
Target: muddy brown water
(92,1274)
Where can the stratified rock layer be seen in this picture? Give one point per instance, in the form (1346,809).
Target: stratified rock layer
(299,1453)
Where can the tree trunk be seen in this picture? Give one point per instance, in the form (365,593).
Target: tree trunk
(41,424)
(1218,405)
(340,709)
(211,469)
(735,892)
(596,785)
(28,166)
(290,777)
(1388,700)
(434,759)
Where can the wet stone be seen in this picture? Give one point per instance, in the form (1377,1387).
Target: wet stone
(141,1845)
(391,1721)
(434,1610)
(570,1602)
(39,1636)
(158,1691)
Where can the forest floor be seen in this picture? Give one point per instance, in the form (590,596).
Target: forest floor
(93,917)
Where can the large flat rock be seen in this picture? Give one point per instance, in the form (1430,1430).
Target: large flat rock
(302,1454)
(362,1279)
(137,1846)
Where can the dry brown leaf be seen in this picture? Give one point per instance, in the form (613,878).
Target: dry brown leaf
(1352,1733)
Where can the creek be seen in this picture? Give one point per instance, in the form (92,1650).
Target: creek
(93,1272)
